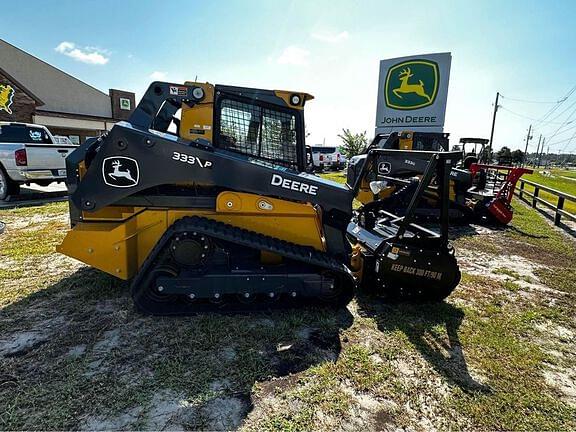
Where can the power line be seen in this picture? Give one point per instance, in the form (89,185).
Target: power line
(567,108)
(569,141)
(555,107)
(567,121)
(526,117)
(559,142)
(532,101)
(566,129)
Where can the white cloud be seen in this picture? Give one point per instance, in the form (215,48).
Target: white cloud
(294,55)
(331,37)
(90,55)
(158,75)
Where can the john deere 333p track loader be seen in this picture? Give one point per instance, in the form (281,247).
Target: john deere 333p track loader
(216,211)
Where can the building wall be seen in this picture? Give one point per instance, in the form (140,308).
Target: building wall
(77,136)
(123,104)
(59,91)
(48,96)
(22,107)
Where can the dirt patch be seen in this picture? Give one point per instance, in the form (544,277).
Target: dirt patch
(228,354)
(268,389)
(77,351)
(17,224)
(20,343)
(169,410)
(110,340)
(121,422)
(369,413)
(482,264)
(564,380)
(225,413)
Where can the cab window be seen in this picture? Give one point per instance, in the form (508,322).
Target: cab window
(258,131)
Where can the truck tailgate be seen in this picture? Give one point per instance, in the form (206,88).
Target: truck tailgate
(47,156)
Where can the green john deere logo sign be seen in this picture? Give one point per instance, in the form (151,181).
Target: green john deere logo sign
(412,84)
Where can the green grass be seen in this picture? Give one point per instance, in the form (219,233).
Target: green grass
(337,176)
(49,209)
(518,398)
(513,274)
(571,173)
(563,279)
(541,240)
(474,362)
(555,181)
(36,241)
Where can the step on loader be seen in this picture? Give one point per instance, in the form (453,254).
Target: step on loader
(213,210)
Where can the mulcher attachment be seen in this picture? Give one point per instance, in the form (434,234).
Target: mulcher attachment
(403,261)
(203,265)
(494,189)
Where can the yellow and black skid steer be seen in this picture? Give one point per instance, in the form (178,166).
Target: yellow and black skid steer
(213,210)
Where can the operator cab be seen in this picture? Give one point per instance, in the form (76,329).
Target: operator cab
(473,151)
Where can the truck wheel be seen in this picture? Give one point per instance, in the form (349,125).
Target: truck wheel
(7,186)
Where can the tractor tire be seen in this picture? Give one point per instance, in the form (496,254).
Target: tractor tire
(469,160)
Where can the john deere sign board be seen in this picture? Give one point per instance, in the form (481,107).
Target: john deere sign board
(412,93)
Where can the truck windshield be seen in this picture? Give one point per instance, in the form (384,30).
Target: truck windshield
(324,150)
(24,134)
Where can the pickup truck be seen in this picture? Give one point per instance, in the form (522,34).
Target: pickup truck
(324,157)
(29,154)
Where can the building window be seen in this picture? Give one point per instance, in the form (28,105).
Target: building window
(125,104)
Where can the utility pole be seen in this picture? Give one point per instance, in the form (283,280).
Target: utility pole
(493,123)
(541,152)
(528,138)
(537,151)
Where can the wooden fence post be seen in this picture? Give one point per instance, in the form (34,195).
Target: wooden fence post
(560,206)
(534,198)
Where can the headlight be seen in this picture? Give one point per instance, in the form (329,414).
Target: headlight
(198,93)
(295,99)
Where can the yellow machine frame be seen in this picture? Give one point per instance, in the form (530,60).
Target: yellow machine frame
(117,240)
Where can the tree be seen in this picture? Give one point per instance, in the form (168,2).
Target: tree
(353,144)
(504,156)
(517,156)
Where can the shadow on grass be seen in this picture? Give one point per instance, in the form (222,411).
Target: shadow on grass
(550,215)
(432,329)
(473,228)
(523,233)
(99,364)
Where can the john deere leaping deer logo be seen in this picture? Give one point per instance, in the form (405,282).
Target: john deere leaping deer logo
(6,97)
(412,84)
(120,171)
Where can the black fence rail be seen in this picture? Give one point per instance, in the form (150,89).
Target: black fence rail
(535,199)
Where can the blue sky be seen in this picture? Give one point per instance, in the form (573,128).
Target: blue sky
(331,49)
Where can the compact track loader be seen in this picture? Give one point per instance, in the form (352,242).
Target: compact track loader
(213,209)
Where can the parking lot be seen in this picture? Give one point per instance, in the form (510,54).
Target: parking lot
(34,194)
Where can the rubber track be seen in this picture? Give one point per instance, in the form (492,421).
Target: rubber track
(250,239)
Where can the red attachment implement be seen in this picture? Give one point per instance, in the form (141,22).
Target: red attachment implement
(503,181)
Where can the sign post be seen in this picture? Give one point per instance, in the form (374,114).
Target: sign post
(412,93)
